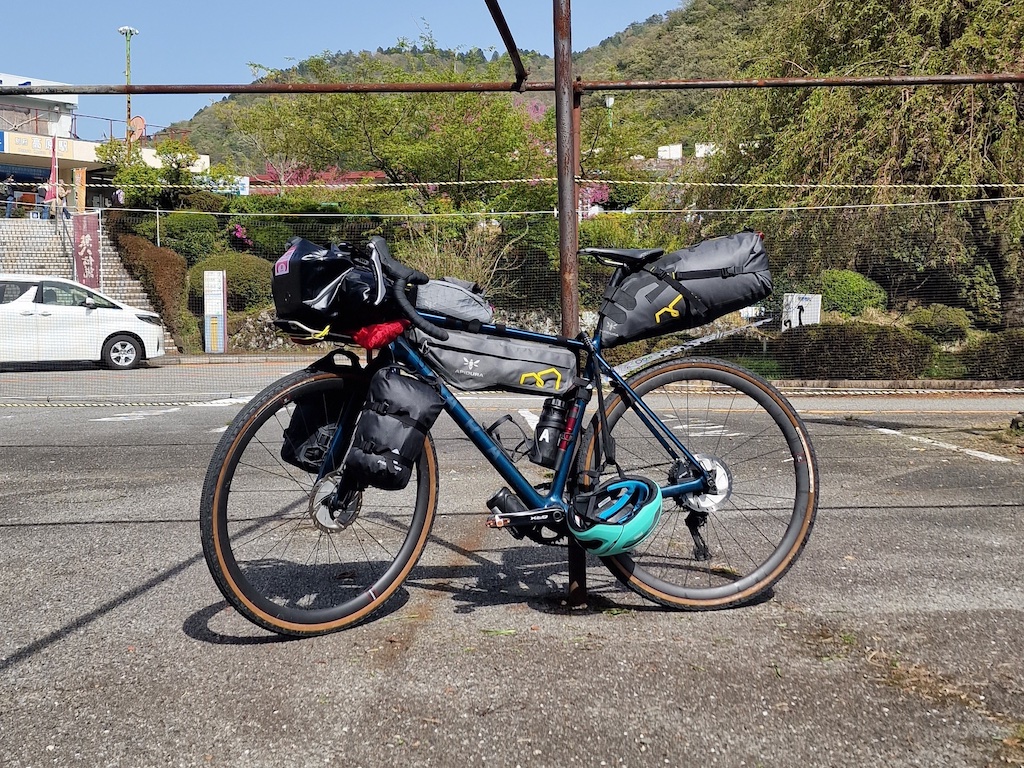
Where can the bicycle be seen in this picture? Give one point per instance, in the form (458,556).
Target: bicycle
(732,465)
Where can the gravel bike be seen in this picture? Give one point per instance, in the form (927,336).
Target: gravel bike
(297,552)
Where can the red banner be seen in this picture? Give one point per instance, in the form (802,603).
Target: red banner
(87,249)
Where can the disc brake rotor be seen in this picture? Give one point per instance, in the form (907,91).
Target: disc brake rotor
(721,481)
(332,510)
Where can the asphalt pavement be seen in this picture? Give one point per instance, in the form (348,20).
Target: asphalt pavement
(897,639)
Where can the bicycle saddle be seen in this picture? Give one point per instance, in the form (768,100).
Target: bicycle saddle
(624,257)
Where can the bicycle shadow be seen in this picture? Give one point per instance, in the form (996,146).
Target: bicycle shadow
(200,625)
(530,575)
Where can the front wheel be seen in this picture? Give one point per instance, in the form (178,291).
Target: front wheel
(728,545)
(122,352)
(293,553)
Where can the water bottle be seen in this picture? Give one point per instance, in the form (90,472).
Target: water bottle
(548,432)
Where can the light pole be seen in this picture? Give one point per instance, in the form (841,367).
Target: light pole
(608,101)
(128,32)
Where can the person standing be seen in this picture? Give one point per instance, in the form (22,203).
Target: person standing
(7,193)
(62,200)
(42,204)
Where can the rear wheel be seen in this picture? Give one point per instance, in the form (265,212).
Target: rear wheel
(285,549)
(729,545)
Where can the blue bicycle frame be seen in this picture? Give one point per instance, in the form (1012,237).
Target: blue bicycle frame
(596,366)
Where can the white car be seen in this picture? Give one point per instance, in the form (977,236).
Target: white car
(49,319)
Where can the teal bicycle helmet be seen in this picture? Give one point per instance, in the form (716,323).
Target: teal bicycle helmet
(617,516)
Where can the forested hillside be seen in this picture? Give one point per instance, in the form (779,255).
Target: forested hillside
(699,41)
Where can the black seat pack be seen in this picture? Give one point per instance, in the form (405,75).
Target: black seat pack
(399,411)
(687,288)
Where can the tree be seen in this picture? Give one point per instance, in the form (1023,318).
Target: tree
(144,185)
(439,141)
(140,182)
(177,158)
(962,135)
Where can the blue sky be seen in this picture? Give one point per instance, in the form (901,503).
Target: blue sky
(214,41)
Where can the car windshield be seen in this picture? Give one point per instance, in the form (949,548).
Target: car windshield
(65,295)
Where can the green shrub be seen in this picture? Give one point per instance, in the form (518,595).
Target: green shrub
(181,223)
(248,280)
(204,201)
(946,325)
(163,274)
(192,235)
(269,239)
(998,356)
(854,350)
(849,292)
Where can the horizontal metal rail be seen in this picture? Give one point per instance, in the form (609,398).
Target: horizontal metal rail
(517,86)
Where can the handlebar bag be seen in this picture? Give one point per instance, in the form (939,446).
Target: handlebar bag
(687,288)
(340,287)
(472,361)
(456,298)
(389,435)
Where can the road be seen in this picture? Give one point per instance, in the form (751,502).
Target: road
(897,639)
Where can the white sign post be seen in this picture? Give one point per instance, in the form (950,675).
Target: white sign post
(800,309)
(215,311)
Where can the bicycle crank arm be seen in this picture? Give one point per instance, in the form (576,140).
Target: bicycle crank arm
(526,518)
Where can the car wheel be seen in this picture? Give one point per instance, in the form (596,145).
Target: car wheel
(122,352)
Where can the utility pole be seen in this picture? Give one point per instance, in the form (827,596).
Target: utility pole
(128,32)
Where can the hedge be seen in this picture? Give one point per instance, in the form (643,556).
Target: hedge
(946,325)
(854,351)
(996,357)
(849,292)
(163,273)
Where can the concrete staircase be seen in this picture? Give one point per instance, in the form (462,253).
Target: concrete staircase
(44,247)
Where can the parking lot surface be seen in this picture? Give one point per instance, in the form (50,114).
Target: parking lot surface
(896,640)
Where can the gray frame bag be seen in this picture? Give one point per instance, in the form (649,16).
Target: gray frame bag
(473,361)
(687,288)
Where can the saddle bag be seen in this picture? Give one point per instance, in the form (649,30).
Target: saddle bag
(687,288)
(388,439)
(473,361)
(456,298)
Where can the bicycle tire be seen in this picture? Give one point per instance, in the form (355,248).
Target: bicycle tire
(759,449)
(269,557)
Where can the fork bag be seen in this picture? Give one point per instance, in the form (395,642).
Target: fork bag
(389,435)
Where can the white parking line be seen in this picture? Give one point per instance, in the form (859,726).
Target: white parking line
(222,402)
(946,446)
(137,415)
(530,418)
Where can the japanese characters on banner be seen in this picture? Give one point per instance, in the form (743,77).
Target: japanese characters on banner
(87,249)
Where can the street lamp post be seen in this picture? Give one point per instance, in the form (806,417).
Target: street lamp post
(128,32)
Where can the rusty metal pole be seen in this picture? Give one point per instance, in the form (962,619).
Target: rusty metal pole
(566,129)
